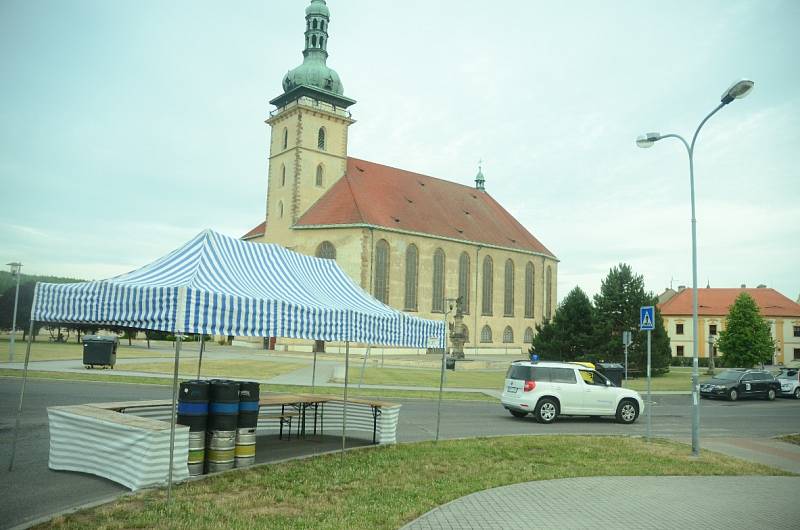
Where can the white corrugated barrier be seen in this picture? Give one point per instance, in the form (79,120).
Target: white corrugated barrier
(130,450)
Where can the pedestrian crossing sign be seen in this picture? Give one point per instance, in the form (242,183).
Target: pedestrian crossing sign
(647,318)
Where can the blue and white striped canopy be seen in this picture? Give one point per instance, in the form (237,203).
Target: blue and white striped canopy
(219,285)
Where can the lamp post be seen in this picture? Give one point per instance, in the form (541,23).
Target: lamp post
(15,268)
(737,90)
(448,307)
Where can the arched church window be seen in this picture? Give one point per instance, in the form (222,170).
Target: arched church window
(283,175)
(321,138)
(280,209)
(437,306)
(463,281)
(508,295)
(548,293)
(320,173)
(412,277)
(313,41)
(528,339)
(322,25)
(321,39)
(381,285)
(326,250)
(314,24)
(529,290)
(508,335)
(486,334)
(488,286)
(285,137)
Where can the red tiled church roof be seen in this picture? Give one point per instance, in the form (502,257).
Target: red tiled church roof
(256,231)
(379,195)
(717,302)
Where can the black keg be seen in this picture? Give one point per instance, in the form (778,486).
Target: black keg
(248,404)
(193,405)
(223,409)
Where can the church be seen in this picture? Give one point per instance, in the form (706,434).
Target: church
(414,242)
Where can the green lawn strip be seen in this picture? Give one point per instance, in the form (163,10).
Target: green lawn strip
(109,377)
(234,368)
(675,379)
(422,377)
(387,487)
(791,438)
(45,351)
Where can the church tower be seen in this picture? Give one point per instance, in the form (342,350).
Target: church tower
(308,147)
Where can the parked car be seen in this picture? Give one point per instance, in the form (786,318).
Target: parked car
(551,389)
(735,384)
(789,378)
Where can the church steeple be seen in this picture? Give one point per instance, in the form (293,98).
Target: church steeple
(479,180)
(314,77)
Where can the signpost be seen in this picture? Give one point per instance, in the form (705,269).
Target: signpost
(626,341)
(647,322)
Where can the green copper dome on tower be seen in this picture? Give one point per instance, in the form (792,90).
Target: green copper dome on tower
(314,71)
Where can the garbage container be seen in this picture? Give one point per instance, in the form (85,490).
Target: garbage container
(450,363)
(613,371)
(100,350)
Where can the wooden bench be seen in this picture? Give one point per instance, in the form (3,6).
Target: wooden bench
(285,418)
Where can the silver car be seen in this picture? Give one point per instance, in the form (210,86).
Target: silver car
(789,379)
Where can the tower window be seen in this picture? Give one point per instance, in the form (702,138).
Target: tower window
(321,39)
(280,210)
(285,137)
(314,24)
(326,250)
(319,176)
(283,175)
(322,25)
(321,138)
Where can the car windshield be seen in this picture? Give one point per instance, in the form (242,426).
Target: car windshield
(729,375)
(788,373)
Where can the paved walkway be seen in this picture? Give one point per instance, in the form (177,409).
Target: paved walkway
(626,502)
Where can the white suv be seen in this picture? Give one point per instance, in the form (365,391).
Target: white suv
(550,389)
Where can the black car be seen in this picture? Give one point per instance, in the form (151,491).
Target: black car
(735,384)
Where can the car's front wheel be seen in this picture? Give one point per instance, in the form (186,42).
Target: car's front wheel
(518,413)
(733,395)
(797,393)
(771,394)
(546,410)
(627,411)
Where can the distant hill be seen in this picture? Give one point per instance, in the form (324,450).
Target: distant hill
(7,280)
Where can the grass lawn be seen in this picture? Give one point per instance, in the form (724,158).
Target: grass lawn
(107,376)
(791,438)
(678,378)
(233,368)
(421,377)
(47,351)
(387,487)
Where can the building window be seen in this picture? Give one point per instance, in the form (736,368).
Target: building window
(466,333)
(437,306)
(486,334)
(318,181)
(381,288)
(321,138)
(797,331)
(529,290)
(326,250)
(679,351)
(679,329)
(412,267)
(283,175)
(528,339)
(797,353)
(463,282)
(712,329)
(280,209)
(508,294)
(549,293)
(285,138)
(488,285)
(508,335)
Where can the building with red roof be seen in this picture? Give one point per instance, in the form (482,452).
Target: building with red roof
(413,241)
(713,304)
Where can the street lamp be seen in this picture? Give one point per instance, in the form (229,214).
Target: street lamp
(15,268)
(737,90)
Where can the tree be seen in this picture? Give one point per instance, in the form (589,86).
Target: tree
(617,307)
(746,339)
(23,308)
(569,336)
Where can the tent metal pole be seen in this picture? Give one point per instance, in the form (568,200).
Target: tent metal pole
(174,417)
(364,365)
(21,396)
(344,409)
(314,371)
(200,361)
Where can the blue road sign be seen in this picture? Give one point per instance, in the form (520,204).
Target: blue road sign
(647,318)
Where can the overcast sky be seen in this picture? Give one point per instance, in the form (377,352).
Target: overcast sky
(130,126)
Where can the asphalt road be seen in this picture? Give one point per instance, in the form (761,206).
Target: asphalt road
(32,490)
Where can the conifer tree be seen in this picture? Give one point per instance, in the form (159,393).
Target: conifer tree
(746,339)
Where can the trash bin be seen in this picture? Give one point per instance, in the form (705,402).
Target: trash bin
(450,363)
(100,350)
(613,371)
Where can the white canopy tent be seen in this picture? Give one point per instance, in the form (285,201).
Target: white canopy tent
(218,285)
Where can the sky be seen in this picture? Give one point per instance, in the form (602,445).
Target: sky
(130,126)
